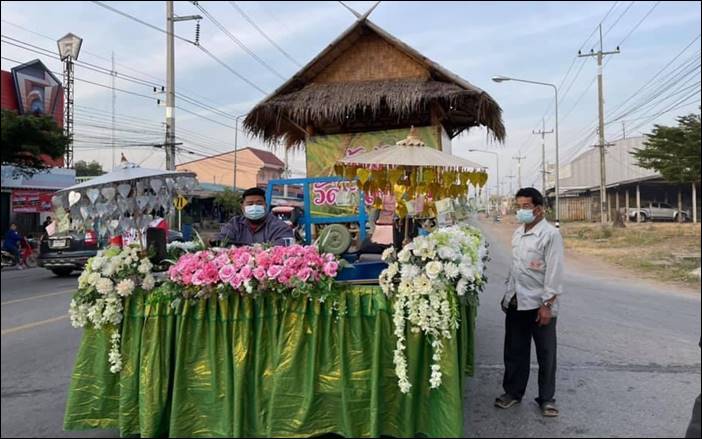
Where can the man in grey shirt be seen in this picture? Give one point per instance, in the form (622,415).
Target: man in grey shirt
(530,303)
(257,225)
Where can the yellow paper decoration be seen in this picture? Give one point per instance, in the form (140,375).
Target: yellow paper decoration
(401,210)
(363,175)
(394,175)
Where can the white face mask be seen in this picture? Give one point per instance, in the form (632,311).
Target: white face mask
(525,216)
(254,212)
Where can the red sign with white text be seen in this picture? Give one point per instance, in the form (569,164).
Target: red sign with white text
(28,201)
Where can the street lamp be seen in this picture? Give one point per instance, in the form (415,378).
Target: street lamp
(69,48)
(497,159)
(501,78)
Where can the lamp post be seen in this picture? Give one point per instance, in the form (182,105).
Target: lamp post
(555,91)
(69,48)
(236,145)
(497,159)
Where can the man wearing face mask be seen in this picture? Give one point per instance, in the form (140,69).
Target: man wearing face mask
(257,225)
(530,303)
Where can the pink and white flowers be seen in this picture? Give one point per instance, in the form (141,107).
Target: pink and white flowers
(254,269)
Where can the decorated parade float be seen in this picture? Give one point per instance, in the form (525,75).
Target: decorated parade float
(280,341)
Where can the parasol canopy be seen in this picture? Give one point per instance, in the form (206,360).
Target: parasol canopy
(410,169)
(411,152)
(121,199)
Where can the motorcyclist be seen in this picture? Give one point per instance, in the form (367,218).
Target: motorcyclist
(12,242)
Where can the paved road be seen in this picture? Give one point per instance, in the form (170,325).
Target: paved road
(629,364)
(38,350)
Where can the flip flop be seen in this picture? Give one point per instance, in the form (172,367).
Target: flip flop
(549,410)
(506,401)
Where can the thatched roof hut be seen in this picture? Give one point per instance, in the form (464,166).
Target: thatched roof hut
(369,80)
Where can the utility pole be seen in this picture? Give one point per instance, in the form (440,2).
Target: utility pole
(170,89)
(511,190)
(543,133)
(600,54)
(519,159)
(623,130)
(114,103)
(170,82)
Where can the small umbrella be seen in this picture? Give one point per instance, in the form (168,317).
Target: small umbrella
(121,199)
(410,168)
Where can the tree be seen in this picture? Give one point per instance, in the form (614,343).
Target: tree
(84,169)
(673,151)
(26,138)
(229,201)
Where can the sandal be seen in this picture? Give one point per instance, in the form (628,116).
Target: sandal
(506,401)
(548,409)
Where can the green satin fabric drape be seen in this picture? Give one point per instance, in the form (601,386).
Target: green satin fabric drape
(269,367)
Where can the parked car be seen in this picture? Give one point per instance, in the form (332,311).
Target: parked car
(658,212)
(66,252)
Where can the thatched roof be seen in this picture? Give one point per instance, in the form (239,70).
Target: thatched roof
(303,106)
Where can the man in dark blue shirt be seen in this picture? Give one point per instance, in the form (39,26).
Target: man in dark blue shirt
(257,226)
(12,240)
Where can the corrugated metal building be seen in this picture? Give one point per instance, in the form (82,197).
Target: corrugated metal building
(580,184)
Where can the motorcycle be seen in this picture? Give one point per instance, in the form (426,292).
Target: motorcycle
(28,255)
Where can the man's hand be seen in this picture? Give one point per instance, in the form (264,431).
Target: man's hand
(544,316)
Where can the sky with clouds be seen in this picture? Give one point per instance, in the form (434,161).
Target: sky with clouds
(476,40)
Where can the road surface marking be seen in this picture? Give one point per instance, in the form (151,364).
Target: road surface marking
(33,325)
(35,297)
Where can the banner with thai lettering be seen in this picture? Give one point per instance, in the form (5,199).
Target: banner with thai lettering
(332,199)
(31,201)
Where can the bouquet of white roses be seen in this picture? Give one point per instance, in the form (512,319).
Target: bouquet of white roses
(421,277)
(106,279)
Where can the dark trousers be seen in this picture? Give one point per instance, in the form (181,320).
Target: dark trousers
(520,328)
(693,430)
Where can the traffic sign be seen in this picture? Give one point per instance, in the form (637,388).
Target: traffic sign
(180,202)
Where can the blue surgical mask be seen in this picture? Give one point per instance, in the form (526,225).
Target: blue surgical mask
(525,216)
(254,212)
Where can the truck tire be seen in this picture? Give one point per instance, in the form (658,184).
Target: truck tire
(62,272)
(643,217)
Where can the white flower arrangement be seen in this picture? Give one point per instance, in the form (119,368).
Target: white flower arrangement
(421,277)
(188,246)
(106,280)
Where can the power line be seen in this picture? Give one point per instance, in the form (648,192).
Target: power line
(639,23)
(199,46)
(91,82)
(106,71)
(263,34)
(82,51)
(618,19)
(237,41)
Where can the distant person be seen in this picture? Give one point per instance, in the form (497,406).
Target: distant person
(534,284)
(693,430)
(44,226)
(257,225)
(12,242)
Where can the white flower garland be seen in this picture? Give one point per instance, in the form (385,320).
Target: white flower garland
(421,277)
(106,280)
